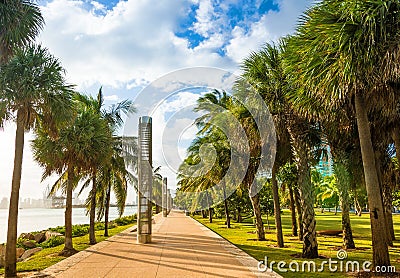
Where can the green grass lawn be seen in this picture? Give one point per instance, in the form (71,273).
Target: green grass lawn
(49,256)
(243,236)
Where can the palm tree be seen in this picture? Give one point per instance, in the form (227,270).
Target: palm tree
(215,104)
(347,49)
(264,71)
(20,21)
(157,188)
(32,91)
(205,179)
(115,177)
(80,144)
(287,176)
(113,117)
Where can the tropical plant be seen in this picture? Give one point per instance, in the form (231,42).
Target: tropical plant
(32,92)
(347,49)
(113,118)
(80,144)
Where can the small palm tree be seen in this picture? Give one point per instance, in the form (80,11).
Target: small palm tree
(115,177)
(32,92)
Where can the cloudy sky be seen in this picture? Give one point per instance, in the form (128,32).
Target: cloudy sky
(126,45)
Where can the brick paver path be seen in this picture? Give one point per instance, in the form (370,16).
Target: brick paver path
(181,247)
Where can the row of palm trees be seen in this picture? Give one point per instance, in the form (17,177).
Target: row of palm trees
(335,81)
(75,136)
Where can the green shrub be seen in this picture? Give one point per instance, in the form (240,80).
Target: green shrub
(52,242)
(125,220)
(80,230)
(58,229)
(98,226)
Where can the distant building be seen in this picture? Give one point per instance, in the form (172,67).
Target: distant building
(325,164)
(58,202)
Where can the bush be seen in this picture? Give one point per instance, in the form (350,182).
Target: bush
(125,220)
(52,242)
(98,226)
(80,230)
(58,229)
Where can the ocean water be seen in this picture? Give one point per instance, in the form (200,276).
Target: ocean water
(30,220)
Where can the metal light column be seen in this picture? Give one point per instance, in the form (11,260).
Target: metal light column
(164,198)
(145,175)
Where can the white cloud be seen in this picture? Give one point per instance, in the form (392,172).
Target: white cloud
(134,43)
(134,40)
(111,98)
(98,6)
(270,27)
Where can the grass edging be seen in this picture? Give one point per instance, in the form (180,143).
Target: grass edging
(243,236)
(48,257)
(243,257)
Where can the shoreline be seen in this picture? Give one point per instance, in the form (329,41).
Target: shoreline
(73,225)
(38,219)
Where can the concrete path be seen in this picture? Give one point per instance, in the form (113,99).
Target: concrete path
(181,247)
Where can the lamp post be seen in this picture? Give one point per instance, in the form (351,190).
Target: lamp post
(145,175)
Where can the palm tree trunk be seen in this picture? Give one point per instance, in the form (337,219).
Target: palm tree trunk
(92,235)
(293,211)
(357,204)
(310,245)
(228,219)
(299,213)
(210,210)
(378,224)
(107,210)
(343,185)
(387,203)
(301,152)
(239,214)
(255,201)
(379,171)
(396,139)
(68,246)
(10,259)
(277,208)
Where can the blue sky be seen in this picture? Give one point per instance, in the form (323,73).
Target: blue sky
(125,45)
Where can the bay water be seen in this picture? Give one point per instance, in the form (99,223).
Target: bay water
(37,219)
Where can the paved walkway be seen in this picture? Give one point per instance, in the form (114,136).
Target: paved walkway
(181,247)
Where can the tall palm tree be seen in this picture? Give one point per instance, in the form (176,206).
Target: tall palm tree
(20,23)
(347,49)
(205,179)
(113,117)
(80,144)
(215,104)
(32,90)
(264,71)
